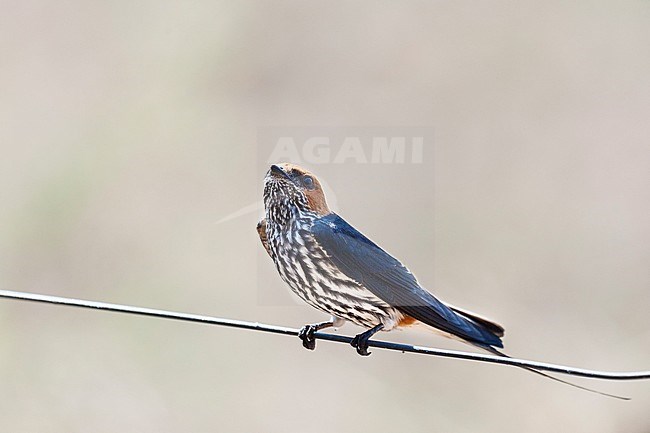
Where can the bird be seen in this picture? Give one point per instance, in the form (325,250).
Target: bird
(336,269)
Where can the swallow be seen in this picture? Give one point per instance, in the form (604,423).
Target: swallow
(336,269)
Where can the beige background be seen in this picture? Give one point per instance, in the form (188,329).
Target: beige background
(128,128)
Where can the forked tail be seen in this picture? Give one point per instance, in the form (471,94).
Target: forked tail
(494,351)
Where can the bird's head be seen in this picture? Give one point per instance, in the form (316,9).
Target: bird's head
(289,189)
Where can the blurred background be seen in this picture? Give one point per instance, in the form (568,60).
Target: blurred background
(128,129)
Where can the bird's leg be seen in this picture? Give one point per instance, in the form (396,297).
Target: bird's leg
(360,342)
(307,332)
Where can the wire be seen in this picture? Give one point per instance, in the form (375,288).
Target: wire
(254,326)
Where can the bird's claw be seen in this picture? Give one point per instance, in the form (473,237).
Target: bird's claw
(360,342)
(306,334)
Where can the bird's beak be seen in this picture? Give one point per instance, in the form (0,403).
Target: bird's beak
(278,171)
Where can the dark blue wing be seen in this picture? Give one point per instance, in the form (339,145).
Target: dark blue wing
(362,260)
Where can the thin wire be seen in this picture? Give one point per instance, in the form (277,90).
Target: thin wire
(254,326)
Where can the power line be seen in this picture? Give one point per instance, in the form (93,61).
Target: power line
(254,326)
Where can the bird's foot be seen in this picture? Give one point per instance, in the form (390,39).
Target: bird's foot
(306,334)
(360,342)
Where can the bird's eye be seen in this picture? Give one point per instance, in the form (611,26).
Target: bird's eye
(308,182)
